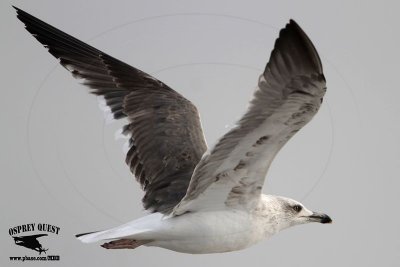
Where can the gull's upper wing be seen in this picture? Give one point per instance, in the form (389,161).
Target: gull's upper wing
(289,94)
(166,139)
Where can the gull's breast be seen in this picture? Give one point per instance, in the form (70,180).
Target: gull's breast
(209,232)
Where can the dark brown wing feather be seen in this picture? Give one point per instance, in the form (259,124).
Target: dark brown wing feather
(166,139)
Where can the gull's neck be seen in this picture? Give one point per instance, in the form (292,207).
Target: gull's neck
(268,211)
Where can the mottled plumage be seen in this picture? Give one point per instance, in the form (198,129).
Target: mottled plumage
(289,94)
(203,202)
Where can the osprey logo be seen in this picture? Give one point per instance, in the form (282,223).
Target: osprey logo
(27,235)
(31,242)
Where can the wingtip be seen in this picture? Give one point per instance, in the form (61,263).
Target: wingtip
(20,13)
(18,10)
(294,28)
(294,25)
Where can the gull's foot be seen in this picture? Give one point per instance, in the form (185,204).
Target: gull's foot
(123,243)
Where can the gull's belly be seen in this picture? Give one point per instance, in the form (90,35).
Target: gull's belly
(209,232)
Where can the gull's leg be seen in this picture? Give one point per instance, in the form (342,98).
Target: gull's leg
(124,243)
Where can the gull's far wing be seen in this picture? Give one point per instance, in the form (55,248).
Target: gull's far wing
(289,94)
(164,130)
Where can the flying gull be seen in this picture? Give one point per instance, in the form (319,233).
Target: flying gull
(201,200)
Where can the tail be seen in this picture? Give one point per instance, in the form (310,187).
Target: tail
(80,236)
(139,229)
(121,232)
(124,243)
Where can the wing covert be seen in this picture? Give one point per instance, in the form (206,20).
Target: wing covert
(289,94)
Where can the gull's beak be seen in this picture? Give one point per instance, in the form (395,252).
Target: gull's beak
(320,217)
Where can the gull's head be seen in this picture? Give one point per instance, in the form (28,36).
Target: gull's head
(288,212)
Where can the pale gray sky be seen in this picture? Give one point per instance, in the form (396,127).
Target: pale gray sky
(61,165)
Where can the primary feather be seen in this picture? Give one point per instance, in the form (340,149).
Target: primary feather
(165,137)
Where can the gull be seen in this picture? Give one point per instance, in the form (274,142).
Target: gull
(201,200)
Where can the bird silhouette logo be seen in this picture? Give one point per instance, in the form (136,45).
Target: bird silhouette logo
(30,242)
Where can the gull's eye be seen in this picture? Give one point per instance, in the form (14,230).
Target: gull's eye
(297,208)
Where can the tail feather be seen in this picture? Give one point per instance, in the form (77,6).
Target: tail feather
(140,229)
(89,237)
(114,233)
(79,235)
